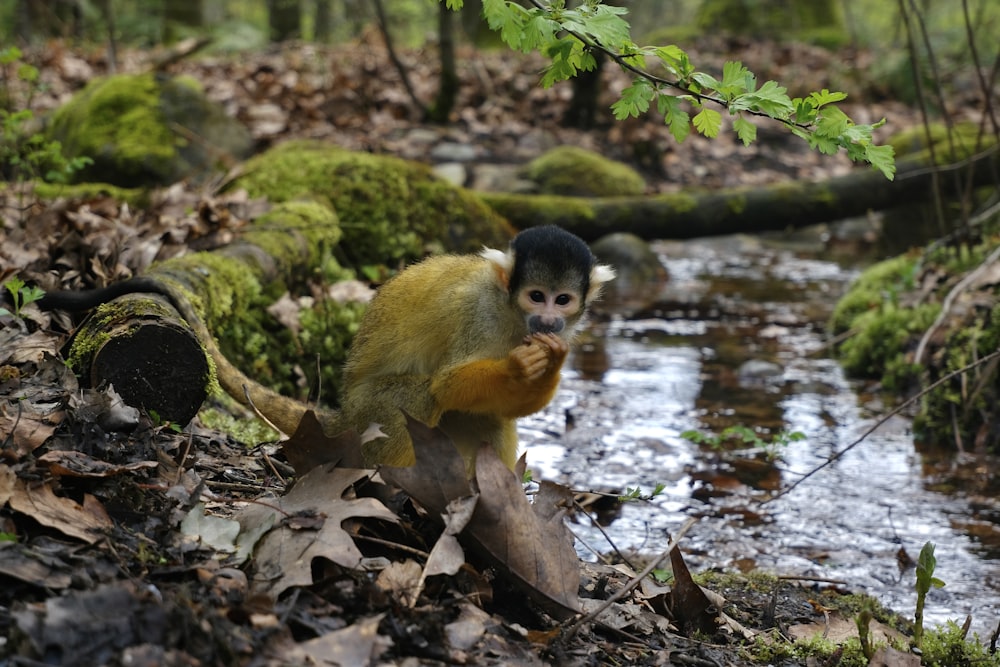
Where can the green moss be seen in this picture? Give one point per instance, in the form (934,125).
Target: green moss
(391,211)
(967,403)
(574,171)
(877,284)
(117,122)
(945,646)
(774,19)
(137,197)
(248,431)
(957,143)
(128,125)
(534,210)
(881,340)
(767,650)
(317,232)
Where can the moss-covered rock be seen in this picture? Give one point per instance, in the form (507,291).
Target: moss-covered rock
(574,171)
(888,313)
(820,20)
(391,210)
(145,130)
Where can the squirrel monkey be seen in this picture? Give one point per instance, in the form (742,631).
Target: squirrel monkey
(467,343)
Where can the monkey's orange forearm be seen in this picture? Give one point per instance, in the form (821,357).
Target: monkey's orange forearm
(492,386)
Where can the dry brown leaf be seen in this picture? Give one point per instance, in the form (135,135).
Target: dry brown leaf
(45,570)
(78,464)
(85,522)
(447,556)
(17,348)
(27,429)
(7,481)
(310,447)
(689,605)
(284,555)
(402,580)
(438,476)
(537,552)
(358,644)
(886,656)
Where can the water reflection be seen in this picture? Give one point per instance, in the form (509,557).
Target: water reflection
(737,339)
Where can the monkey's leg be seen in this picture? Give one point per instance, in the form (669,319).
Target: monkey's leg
(382,400)
(469,432)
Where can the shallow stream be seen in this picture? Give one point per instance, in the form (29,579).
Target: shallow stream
(736,337)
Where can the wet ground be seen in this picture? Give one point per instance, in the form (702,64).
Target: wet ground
(737,338)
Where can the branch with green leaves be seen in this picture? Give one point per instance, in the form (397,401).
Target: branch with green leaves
(570,36)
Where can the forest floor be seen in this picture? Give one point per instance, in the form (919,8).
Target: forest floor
(120,538)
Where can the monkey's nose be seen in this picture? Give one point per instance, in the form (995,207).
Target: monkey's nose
(541,325)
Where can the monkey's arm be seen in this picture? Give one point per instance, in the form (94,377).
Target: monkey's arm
(519,385)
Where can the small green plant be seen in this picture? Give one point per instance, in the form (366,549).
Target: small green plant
(772,448)
(21,295)
(25,153)
(926,580)
(632,494)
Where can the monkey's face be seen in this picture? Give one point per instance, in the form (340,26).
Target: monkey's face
(548,310)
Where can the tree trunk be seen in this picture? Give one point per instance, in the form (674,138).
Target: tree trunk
(284,20)
(440,110)
(323,21)
(737,210)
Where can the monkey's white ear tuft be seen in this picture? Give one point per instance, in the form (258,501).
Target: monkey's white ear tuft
(503,260)
(602,273)
(599,275)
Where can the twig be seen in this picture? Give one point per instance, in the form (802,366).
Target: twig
(946,305)
(895,411)
(634,582)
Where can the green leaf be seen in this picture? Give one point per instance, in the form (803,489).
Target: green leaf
(832,122)
(805,112)
(745,130)
(736,79)
(508,18)
(708,122)
(603,23)
(453,5)
(538,30)
(677,120)
(825,97)
(562,67)
(675,60)
(882,158)
(634,100)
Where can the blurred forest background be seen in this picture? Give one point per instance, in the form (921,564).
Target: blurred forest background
(945,28)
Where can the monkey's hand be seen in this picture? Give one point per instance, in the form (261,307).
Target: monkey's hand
(519,385)
(541,353)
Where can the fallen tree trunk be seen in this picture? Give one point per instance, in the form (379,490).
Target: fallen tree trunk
(157,357)
(741,210)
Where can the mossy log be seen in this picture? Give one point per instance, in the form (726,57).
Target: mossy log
(166,362)
(740,210)
(144,350)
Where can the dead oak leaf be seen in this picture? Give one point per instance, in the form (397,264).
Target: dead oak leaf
(284,555)
(85,522)
(532,543)
(528,542)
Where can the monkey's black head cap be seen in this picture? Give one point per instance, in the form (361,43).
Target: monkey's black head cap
(552,256)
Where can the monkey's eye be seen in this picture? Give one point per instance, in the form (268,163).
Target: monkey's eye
(563,299)
(537,296)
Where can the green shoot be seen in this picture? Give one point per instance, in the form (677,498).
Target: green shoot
(21,295)
(926,580)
